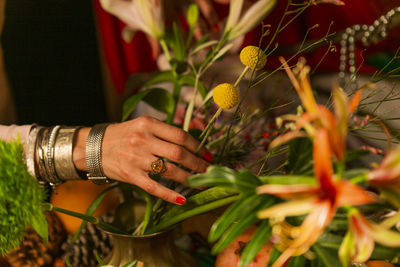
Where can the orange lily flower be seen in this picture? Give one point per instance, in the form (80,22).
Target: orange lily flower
(387,176)
(320,201)
(358,243)
(318,116)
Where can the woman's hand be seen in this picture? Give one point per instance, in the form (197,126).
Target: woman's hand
(129,148)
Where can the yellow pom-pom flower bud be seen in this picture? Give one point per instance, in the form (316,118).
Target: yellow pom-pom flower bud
(226,96)
(253,57)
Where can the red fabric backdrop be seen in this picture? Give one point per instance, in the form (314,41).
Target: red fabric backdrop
(124,58)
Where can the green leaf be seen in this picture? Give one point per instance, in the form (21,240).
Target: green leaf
(355,155)
(299,261)
(288,179)
(163,76)
(39,223)
(300,163)
(241,207)
(191,80)
(274,256)
(222,52)
(245,222)
(192,15)
(200,42)
(158,98)
(92,208)
(328,256)
(244,180)
(99,260)
(67,262)
(131,264)
(203,46)
(202,202)
(178,46)
(259,239)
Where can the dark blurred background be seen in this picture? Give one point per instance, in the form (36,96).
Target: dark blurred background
(52,61)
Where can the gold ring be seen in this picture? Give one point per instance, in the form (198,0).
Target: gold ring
(158,166)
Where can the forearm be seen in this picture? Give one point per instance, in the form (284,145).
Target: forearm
(11,132)
(79,147)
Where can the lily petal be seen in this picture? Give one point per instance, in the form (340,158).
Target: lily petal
(311,229)
(351,194)
(289,208)
(347,249)
(383,236)
(282,139)
(287,191)
(322,164)
(364,243)
(355,101)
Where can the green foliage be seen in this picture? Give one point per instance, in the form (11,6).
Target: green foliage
(158,98)
(260,238)
(242,180)
(99,260)
(131,264)
(202,202)
(300,156)
(241,207)
(21,198)
(245,221)
(329,257)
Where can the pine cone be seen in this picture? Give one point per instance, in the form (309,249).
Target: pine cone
(91,242)
(33,252)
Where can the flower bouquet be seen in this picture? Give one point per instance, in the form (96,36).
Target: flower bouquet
(284,170)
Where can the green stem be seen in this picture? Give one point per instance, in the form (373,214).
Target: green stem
(241,76)
(211,122)
(360,179)
(88,218)
(148,213)
(189,111)
(207,131)
(341,167)
(176,93)
(202,209)
(165,49)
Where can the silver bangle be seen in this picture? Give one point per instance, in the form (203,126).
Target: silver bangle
(31,150)
(55,180)
(93,155)
(63,160)
(43,176)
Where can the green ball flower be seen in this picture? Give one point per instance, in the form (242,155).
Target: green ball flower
(21,198)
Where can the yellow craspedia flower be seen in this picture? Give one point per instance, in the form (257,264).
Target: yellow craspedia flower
(226,96)
(253,57)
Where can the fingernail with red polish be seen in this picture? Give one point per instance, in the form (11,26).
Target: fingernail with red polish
(208,157)
(180,200)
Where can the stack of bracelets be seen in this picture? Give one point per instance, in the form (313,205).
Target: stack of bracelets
(52,148)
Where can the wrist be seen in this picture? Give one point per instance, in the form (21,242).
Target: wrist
(79,149)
